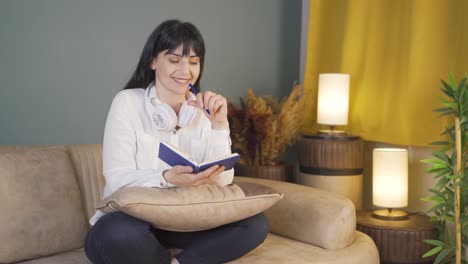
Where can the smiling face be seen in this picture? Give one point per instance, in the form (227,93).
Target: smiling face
(174,71)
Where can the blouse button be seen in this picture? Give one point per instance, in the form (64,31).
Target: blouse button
(161,184)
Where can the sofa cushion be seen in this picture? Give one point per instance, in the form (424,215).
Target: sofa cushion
(275,249)
(76,256)
(87,162)
(41,205)
(310,215)
(192,208)
(279,249)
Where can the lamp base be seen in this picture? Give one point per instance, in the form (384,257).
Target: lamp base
(332,132)
(390,215)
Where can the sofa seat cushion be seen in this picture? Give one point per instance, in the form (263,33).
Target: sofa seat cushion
(275,249)
(278,249)
(77,256)
(41,207)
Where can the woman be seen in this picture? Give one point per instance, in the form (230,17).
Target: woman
(156,106)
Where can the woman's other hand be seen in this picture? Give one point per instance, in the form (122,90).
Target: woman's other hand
(216,104)
(183,176)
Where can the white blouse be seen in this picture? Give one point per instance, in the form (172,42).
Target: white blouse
(131,145)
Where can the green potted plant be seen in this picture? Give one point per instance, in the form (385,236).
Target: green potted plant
(261,130)
(450,194)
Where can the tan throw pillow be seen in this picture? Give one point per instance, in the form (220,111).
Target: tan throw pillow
(41,212)
(192,208)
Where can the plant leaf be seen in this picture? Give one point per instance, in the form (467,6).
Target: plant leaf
(441,155)
(443,172)
(442,255)
(437,207)
(447,86)
(444,110)
(448,91)
(434,161)
(446,114)
(462,84)
(433,251)
(453,177)
(453,83)
(434,242)
(432,199)
(448,218)
(437,168)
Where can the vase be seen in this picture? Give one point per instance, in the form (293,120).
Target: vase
(280,172)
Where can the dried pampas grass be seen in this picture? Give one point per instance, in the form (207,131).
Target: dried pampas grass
(262,128)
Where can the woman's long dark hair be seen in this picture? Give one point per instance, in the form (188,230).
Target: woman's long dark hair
(168,35)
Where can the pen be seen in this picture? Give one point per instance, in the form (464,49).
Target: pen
(192,89)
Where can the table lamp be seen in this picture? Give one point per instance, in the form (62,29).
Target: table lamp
(390,182)
(332,160)
(333,101)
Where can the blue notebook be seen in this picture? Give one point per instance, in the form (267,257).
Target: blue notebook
(174,156)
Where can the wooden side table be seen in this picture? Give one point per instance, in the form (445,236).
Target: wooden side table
(332,163)
(399,241)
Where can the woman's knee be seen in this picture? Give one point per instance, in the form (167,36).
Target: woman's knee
(118,234)
(117,229)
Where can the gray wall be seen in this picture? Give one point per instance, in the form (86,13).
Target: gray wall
(61,62)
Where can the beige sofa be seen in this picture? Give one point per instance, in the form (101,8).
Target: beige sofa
(49,193)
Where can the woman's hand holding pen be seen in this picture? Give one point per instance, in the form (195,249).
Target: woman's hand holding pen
(215,106)
(183,176)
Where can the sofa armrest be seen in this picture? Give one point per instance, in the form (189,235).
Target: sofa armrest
(310,215)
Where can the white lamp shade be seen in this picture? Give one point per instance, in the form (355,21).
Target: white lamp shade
(390,177)
(333,99)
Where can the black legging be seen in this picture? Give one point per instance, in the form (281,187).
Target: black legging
(118,238)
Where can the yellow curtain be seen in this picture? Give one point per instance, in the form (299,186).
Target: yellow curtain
(396,52)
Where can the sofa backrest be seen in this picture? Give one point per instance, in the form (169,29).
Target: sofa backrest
(87,161)
(42,209)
